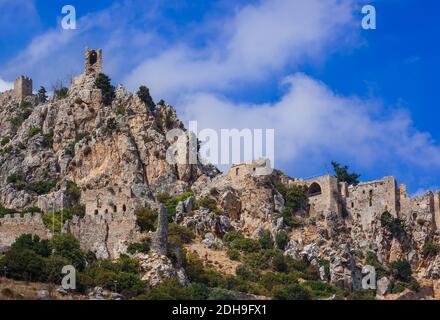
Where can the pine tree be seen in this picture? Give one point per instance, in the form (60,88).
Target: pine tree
(42,97)
(103,82)
(343,175)
(144,95)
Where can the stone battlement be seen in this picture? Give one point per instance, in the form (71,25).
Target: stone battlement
(14,225)
(18,217)
(22,87)
(107,235)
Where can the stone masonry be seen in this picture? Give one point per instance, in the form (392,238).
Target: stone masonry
(12,226)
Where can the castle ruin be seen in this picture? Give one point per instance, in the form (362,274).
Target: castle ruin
(367,200)
(22,87)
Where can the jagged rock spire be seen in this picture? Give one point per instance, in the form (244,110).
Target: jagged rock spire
(160,240)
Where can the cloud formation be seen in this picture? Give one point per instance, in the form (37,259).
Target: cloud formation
(312,123)
(259,40)
(5,85)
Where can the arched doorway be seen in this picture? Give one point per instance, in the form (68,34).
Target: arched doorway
(93,58)
(314,190)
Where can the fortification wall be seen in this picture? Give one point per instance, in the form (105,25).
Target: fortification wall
(323,194)
(108,200)
(369,200)
(13,226)
(107,235)
(437,209)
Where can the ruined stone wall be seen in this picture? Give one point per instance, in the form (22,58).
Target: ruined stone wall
(258,167)
(54,201)
(323,194)
(93,61)
(437,209)
(22,87)
(13,226)
(368,200)
(107,235)
(108,200)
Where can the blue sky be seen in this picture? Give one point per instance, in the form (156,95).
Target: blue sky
(331,90)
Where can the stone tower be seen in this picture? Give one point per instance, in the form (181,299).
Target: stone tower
(22,87)
(93,63)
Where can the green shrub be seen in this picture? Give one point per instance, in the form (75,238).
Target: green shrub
(246,245)
(281,239)
(103,82)
(363,295)
(73,190)
(20,118)
(42,187)
(292,292)
(401,270)
(4,211)
(208,203)
(167,290)
(221,294)
(265,240)
(295,197)
(61,93)
(372,260)
(395,225)
(33,243)
(198,291)
(141,247)
(48,139)
(32,210)
(196,272)
(279,263)
(5,141)
(6,150)
(53,268)
(230,236)
(33,132)
(23,265)
(326,264)
(146,219)
(343,175)
(67,246)
(247,273)
(144,95)
(120,111)
(398,288)
(179,234)
(431,249)
(170,202)
(111,124)
(259,260)
(322,289)
(233,254)
(25,105)
(17,179)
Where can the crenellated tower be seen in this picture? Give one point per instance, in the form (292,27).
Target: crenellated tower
(22,87)
(93,62)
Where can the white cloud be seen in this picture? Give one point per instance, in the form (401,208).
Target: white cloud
(312,123)
(4,85)
(259,39)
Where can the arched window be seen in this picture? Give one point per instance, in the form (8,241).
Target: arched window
(237,171)
(106,210)
(93,58)
(96,211)
(115,209)
(314,190)
(124,208)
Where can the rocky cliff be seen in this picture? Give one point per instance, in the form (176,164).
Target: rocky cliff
(82,138)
